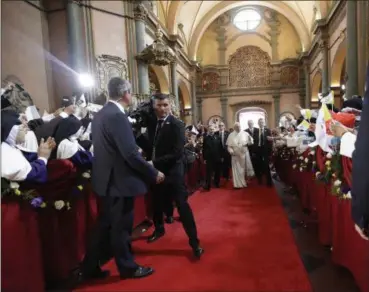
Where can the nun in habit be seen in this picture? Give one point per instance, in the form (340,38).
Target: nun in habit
(237,143)
(66,137)
(16,164)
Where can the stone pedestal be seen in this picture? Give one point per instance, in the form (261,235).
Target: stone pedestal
(140,14)
(352,50)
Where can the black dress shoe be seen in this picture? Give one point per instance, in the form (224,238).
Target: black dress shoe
(140,272)
(198,252)
(169,220)
(155,236)
(78,276)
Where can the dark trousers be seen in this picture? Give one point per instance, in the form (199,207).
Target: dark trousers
(168,206)
(262,162)
(226,165)
(212,168)
(176,191)
(115,222)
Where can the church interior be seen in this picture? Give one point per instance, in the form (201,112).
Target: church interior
(219,62)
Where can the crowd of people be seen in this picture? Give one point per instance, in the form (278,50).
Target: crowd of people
(123,168)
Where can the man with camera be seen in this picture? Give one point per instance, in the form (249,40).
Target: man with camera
(119,174)
(167,140)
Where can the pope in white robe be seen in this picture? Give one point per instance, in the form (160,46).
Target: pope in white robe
(241,163)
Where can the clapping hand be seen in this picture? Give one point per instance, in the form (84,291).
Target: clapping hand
(45,148)
(270,138)
(338,129)
(160,177)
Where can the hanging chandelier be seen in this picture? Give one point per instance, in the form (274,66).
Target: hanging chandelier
(158,53)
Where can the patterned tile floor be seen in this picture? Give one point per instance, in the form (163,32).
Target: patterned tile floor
(325,276)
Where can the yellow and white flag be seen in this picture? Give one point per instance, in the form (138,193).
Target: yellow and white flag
(304,125)
(322,132)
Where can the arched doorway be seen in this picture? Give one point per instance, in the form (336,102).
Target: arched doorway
(250,113)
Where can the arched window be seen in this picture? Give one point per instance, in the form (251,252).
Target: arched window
(247,19)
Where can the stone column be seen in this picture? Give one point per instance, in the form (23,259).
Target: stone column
(199,110)
(193,98)
(323,45)
(352,50)
(277,107)
(76,37)
(307,84)
(221,38)
(174,82)
(140,14)
(224,105)
(274,32)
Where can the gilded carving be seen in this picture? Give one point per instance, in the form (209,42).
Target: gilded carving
(290,76)
(210,81)
(108,67)
(249,67)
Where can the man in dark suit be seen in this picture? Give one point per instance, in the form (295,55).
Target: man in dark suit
(167,137)
(254,133)
(119,174)
(226,157)
(263,148)
(360,168)
(212,152)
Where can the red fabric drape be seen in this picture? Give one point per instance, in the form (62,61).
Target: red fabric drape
(347,170)
(21,264)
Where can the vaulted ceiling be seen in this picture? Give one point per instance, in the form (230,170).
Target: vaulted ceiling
(195,17)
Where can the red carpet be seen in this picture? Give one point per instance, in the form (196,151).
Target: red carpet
(248,247)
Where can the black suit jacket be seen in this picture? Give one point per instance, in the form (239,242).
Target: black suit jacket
(169,148)
(212,149)
(118,168)
(255,136)
(266,149)
(225,154)
(360,168)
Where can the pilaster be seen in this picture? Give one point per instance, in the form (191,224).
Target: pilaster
(199,109)
(174,82)
(306,66)
(324,47)
(224,106)
(274,33)
(76,37)
(193,95)
(140,15)
(277,107)
(352,50)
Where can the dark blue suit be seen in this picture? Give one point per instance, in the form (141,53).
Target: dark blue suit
(119,174)
(360,170)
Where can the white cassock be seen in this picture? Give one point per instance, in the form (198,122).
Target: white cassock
(241,162)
